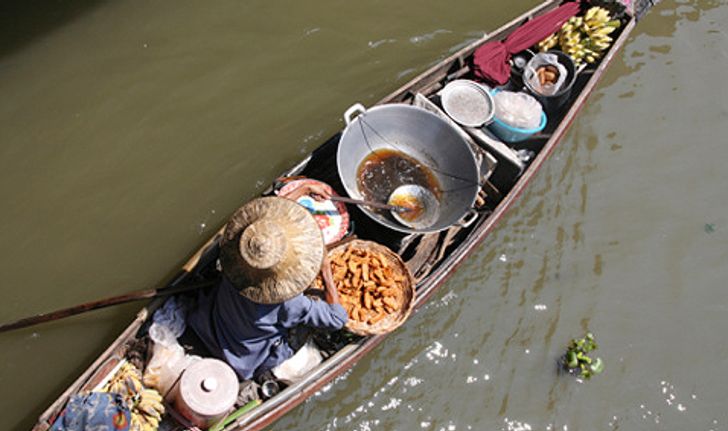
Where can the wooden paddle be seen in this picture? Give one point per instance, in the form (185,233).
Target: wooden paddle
(101,303)
(133,296)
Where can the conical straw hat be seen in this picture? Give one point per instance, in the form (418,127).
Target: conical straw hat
(272,249)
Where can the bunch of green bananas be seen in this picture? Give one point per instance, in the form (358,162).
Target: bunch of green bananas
(585,38)
(146,405)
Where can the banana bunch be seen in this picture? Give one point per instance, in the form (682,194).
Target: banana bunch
(146,405)
(585,38)
(147,411)
(127,382)
(597,26)
(572,40)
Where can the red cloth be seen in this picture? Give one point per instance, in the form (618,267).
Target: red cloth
(490,61)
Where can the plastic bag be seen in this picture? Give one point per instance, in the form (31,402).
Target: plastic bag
(172,315)
(518,109)
(295,368)
(531,75)
(168,359)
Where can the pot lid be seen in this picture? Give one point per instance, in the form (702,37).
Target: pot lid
(209,387)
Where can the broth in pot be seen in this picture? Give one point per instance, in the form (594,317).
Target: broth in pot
(383,171)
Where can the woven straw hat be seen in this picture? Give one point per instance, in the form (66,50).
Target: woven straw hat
(272,249)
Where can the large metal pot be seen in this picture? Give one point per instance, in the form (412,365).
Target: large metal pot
(423,136)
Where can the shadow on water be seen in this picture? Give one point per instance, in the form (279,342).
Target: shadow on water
(22,22)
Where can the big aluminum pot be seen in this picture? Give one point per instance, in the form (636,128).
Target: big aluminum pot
(423,136)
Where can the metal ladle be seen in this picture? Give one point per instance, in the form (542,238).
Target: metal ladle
(423,198)
(394,208)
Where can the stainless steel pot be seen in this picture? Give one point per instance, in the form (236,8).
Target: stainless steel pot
(423,136)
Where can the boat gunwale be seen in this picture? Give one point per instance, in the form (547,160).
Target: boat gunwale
(468,49)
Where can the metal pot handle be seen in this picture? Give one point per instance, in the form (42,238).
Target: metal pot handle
(468,219)
(353,109)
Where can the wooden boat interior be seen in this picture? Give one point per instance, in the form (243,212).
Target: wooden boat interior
(431,257)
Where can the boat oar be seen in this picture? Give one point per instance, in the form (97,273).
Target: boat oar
(101,303)
(372,204)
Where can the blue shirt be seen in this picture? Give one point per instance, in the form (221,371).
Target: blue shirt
(251,337)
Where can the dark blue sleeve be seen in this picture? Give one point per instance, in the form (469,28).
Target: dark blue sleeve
(302,310)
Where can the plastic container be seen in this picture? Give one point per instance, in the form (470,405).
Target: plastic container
(510,134)
(514,134)
(206,392)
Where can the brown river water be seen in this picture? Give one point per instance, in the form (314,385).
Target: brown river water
(130,130)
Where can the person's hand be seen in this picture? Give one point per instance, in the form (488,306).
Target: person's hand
(317,191)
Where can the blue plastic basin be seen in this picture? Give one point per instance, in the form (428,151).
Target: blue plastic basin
(515,134)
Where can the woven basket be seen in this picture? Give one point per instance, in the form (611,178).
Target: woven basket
(392,321)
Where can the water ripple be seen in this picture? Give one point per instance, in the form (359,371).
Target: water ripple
(378,43)
(310,31)
(427,37)
(406,72)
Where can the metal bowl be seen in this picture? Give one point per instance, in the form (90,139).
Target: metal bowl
(468,103)
(421,135)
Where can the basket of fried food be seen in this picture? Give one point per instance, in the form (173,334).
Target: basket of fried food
(375,287)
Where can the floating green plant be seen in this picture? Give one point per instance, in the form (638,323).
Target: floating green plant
(577,360)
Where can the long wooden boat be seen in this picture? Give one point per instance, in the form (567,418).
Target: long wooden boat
(431,257)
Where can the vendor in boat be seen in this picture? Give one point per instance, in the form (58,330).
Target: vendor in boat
(271,251)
